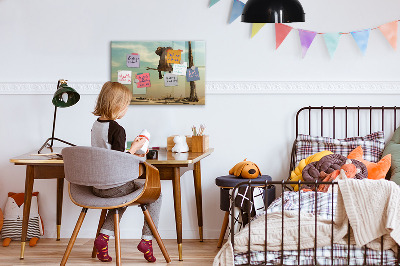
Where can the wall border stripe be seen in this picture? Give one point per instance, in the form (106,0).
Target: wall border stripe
(231,87)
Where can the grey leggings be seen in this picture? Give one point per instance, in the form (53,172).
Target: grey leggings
(154,208)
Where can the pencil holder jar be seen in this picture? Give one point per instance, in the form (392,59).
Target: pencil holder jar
(200,143)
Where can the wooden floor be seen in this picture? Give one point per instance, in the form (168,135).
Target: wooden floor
(50,252)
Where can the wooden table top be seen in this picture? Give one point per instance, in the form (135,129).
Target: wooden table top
(164,157)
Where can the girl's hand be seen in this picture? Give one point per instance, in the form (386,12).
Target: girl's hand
(142,155)
(137,144)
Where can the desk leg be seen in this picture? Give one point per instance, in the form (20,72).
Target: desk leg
(60,190)
(199,204)
(176,182)
(27,206)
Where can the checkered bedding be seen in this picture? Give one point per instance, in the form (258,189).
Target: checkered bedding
(322,207)
(372,145)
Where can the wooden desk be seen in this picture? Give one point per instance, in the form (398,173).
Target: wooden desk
(171,167)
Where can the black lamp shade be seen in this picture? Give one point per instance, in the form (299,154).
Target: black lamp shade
(273,11)
(65,96)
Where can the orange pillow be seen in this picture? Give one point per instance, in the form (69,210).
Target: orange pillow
(375,170)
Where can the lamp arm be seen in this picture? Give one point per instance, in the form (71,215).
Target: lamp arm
(46,143)
(54,126)
(54,118)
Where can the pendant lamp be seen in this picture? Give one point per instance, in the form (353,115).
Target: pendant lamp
(64,96)
(273,11)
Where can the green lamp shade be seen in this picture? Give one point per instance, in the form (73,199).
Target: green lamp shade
(65,96)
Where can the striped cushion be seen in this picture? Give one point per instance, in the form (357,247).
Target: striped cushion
(13,228)
(372,145)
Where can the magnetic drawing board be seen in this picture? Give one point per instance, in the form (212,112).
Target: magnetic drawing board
(159,71)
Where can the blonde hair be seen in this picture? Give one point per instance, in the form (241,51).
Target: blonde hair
(112,99)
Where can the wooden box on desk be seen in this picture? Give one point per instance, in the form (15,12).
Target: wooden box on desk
(200,143)
(171,143)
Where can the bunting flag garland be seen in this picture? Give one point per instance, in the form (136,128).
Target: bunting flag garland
(332,41)
(389,30)
(237,9)
(361,38)
(306,39)
(256,27)
(213,2)
(281,31)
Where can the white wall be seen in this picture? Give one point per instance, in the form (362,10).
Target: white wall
(43,41)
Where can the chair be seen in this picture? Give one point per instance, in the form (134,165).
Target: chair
(85,167)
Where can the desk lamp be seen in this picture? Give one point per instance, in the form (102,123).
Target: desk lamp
(64,96)
(273,11)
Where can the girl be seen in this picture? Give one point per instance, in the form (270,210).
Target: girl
(112,103)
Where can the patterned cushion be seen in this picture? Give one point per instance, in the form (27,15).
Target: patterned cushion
(372,144)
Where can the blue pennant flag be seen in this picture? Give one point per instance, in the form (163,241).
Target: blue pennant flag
(332,41)
(213,2)
(237,9)
(361,38)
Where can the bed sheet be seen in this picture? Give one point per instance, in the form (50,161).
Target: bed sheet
(324,206)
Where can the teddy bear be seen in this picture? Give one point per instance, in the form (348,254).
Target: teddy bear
(180,144)
(245,169)
(13,215)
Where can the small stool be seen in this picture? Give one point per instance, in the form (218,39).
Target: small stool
(226,183)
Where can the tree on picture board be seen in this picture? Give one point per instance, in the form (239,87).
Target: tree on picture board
(193,94)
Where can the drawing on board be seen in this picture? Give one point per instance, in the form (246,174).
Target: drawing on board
(161,72)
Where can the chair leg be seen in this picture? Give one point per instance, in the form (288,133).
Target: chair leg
(117,239)
(223,229)
(154,230)
(73,237)
(101,222)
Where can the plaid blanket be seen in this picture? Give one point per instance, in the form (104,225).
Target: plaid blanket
(340,254)
(306,201)
(323,205)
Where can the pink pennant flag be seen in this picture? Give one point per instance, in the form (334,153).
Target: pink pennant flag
(389,30)
(281,31)
(306,39)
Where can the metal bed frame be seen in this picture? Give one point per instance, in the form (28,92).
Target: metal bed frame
(283,184)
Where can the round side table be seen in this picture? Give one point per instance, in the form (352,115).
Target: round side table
(228,182)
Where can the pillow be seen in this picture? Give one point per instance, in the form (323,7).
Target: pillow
(375,170)
(393,148)
(372,144)
(329,164)
(296,174)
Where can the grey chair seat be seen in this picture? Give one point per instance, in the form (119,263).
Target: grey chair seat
(85,167)
(83,196)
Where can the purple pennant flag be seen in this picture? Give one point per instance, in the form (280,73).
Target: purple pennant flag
(237,9)
(306,39)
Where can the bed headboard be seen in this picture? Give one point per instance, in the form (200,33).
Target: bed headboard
(344,121)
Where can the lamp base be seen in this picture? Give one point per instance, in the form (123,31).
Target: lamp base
(50,146)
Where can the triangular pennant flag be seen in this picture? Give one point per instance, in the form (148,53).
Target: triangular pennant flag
(213,2)
(281,31)
(237,9)
(306,39)
(390,32)
(332,41)
(361,37)
(256,27)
